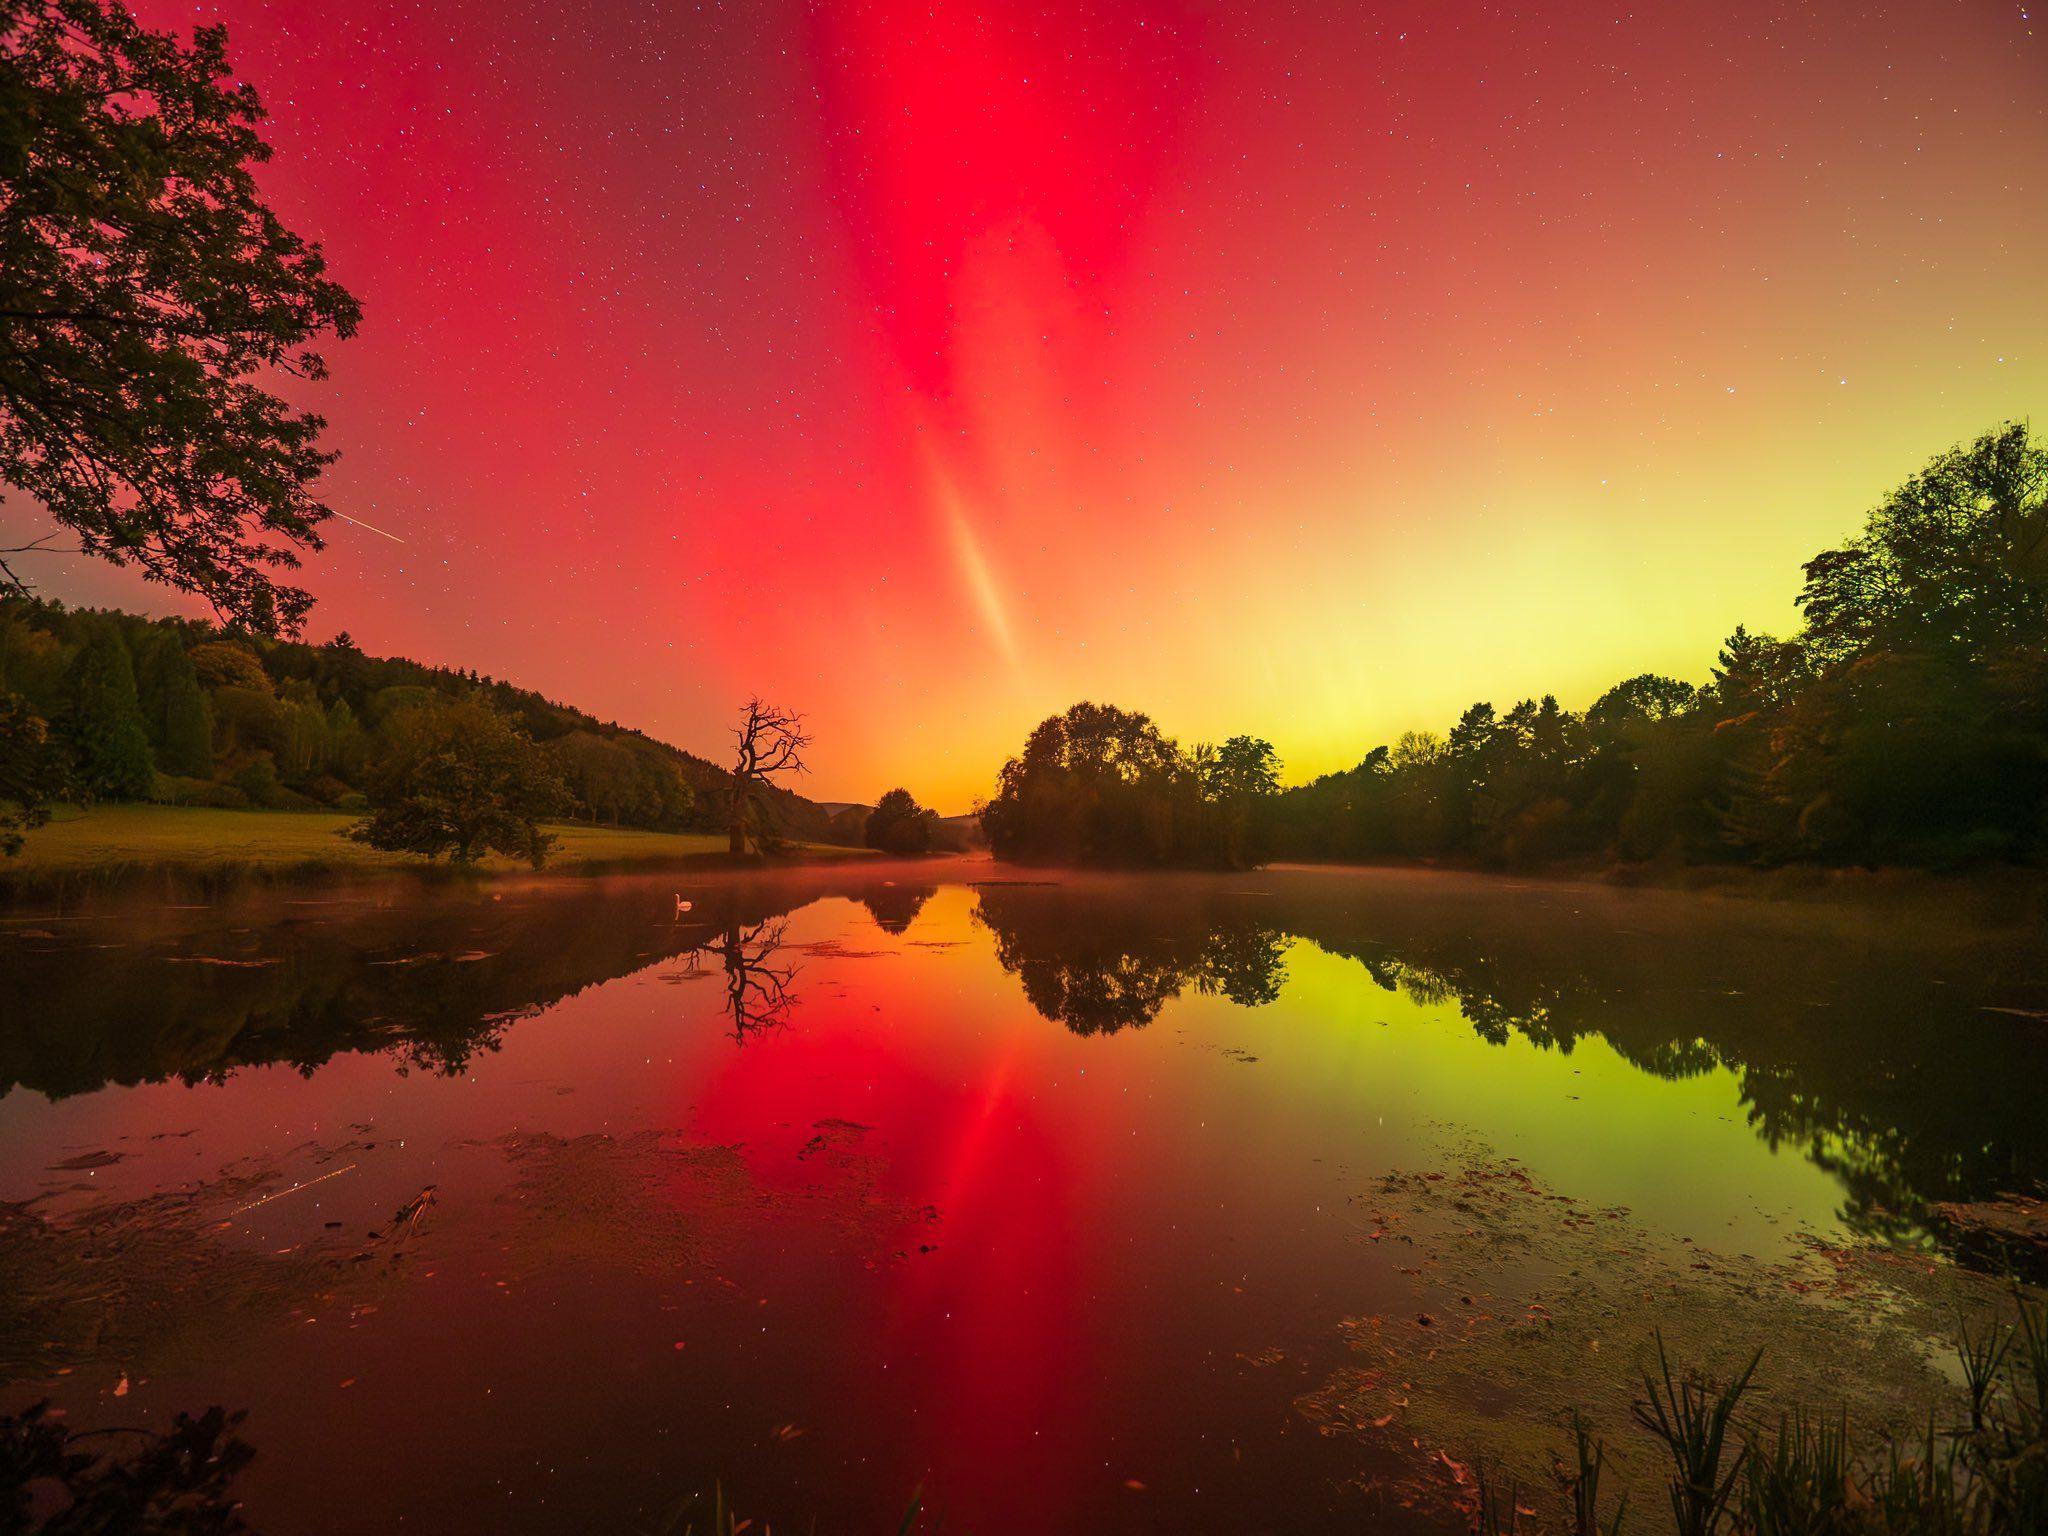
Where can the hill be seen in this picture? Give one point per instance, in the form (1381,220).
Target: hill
(177,711)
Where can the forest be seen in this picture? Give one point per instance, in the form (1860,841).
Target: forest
(104,705)
(1906,722)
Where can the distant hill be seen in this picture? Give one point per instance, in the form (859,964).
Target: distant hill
(176,710)
(952,832)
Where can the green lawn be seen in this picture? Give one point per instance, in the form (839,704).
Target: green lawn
(110,841)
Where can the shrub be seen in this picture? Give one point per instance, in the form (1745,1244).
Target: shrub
(174,789)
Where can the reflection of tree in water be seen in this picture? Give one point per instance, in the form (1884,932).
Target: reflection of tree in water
(757,995)
(1842,1046)
(895,907)
(1096,974)
(1904,1116)
(430,982)
(1882,1062)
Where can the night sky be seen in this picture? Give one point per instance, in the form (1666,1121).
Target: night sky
(1310,371)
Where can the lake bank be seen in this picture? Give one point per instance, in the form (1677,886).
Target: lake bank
(2003,895)
(113,847)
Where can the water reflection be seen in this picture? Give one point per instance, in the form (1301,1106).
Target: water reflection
(895,907)
(1877,1051)
(757,986)
(1886,1052)
(1101,966)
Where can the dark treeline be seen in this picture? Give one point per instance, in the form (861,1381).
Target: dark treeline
(1906,722)
(1101,785)
(127,708)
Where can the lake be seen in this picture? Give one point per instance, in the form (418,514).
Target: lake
(1267,1201)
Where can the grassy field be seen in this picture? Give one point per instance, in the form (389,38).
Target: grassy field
(112,843)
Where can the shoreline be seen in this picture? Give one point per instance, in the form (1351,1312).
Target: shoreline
(2010,892)
(121,848)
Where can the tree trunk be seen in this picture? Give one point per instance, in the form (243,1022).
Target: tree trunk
(736,824)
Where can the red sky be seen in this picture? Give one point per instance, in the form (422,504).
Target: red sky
(1303,370)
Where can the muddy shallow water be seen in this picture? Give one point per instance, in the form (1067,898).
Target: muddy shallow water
(1245,1202)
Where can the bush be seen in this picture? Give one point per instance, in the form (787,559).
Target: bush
(258,780)
(172,789)
(326,789)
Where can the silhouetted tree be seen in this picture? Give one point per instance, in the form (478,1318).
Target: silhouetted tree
(1094,785)
(1238,782)
(145,289)
(1954,562)
(768,741)
(1645,697)
(898,824)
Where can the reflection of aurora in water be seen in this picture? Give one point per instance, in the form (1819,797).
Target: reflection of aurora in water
(1870,1047)
(1867,1060)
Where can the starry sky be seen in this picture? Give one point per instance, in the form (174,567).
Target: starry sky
(1306,370)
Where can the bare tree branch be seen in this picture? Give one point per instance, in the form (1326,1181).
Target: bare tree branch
(768,740)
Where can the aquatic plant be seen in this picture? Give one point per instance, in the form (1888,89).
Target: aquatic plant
(1985,1476)
(1692,1421)
(1583,1485)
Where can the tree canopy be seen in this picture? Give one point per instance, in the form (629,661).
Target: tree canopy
(1102,785)
(461,779)
(898,824)
(150,299)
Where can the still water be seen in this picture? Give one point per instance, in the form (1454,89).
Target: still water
(539,1207)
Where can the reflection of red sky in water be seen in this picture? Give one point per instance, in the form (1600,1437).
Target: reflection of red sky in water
(1126,1220)
(990,1340)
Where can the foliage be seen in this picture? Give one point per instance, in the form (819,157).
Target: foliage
(612,782)
(210,704)
(461,779)
(183,720)
(1101,785)
(1908,721)
(147,293)
(101,723)
(898,824)
(224,664)
(31,775)
(257,780)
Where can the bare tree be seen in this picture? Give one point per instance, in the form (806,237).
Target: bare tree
(770,741)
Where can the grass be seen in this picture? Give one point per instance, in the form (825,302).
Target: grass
(113,844)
